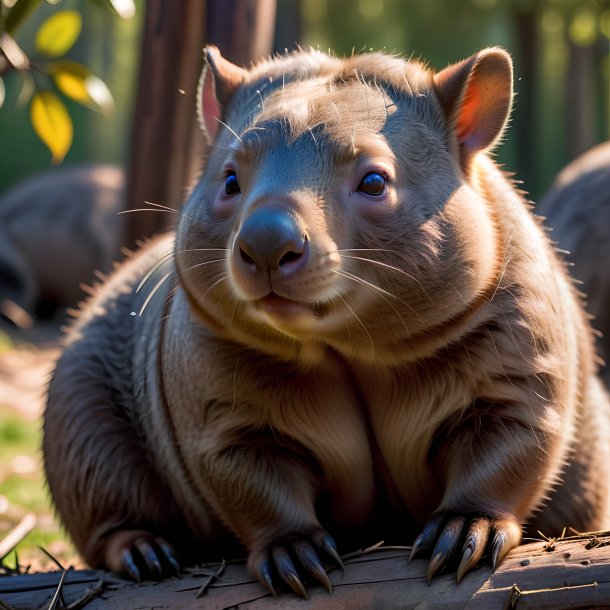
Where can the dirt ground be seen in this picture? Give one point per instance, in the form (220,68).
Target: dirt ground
(26,361)
(25,370)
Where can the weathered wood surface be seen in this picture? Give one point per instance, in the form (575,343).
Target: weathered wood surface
(569,573)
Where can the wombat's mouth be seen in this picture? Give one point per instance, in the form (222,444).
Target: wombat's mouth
(278,306)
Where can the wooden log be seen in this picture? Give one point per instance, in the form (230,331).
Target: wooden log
(572,572)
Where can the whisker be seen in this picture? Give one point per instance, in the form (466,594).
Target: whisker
(368,250)
(222,279)
(225,125)
(234,306)
(153,292)
(202,250)
(365,283)
(147,210)
(391,267)
(164,259)
(216,260)
(464,301)
(504,267)
(170,299)
(381,290)
(363,326)
(226,148)
(162,207)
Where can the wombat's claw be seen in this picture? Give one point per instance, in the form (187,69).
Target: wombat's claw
(474,545)
(151,559)
(311,562)
(501,544)
(130,566)
(448,530)
(286,570)
(148,558)
(300,552)
(263,573)
(445,546)
(170,556)
(330,548)
(426,539)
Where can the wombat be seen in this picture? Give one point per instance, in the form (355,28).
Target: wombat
(577,207)
(56,229)
(358,329)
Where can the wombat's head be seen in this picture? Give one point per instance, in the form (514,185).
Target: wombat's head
(340,204)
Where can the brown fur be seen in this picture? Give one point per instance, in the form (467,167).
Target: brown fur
(577,208)
(423,352)
(56,229)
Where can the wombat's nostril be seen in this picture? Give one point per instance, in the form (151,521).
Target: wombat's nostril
(290,257)
(246,257)
(271,239)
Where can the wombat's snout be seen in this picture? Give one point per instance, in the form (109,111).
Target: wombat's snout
(271,241)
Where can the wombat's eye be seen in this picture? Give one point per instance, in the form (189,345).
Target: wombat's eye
(373,183)
(231,184)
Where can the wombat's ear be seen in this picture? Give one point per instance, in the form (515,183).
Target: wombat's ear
(476,96)
(217,84)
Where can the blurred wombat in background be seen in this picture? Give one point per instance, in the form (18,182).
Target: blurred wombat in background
(577,207)
(56,229)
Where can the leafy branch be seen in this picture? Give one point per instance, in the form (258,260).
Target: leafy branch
(47,76)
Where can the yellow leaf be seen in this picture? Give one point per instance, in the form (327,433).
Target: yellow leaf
(58,33)
(52,123)
(76,82)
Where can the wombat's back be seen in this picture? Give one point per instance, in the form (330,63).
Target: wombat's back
(577,208)
(56,229)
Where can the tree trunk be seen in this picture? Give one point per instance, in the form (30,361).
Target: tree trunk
(527,83)
(166,142)
(579,95)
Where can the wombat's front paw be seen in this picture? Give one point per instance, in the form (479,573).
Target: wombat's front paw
(301,549)
(476,532)
(141,555)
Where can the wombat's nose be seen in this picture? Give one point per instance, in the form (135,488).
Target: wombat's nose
(271,239)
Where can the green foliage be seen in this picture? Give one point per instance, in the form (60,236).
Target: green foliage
(22,484)
(45,78)
(18,14)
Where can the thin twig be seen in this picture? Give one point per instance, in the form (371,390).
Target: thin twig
(17,534)
(210,579)
(89,594)
(56,597)
(53,559)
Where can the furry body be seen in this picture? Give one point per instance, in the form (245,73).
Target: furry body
(577,207)
(359,328)
(56,230)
